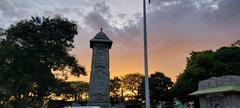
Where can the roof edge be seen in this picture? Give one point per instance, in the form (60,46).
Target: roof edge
(222,89)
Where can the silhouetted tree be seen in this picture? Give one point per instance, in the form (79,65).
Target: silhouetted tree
(236,44)
(73,90)
(80,90)
(159,86)
(29,51)
(159,89)
(115,85)
(132,83)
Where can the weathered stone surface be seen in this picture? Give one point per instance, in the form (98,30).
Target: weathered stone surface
(219,92)
(99,78)
(219,81)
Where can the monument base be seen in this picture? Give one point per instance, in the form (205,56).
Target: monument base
(102,105)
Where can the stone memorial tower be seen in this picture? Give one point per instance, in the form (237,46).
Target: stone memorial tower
(99,78)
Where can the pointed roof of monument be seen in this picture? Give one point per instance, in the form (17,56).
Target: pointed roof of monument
(100,37)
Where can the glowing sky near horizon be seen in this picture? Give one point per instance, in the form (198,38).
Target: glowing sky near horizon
(175,28)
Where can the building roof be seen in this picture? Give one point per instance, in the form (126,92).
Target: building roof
(223,89)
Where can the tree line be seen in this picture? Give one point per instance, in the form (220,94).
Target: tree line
(130,89)
(127,89)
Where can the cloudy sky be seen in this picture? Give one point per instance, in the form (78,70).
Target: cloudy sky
(175,28)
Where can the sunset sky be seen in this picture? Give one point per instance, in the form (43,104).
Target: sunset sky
(175,28)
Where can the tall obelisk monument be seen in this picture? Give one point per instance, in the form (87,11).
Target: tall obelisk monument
(99,78)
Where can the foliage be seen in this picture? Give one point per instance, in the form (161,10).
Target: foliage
(227,61)
(81,90)
(236,44)
(159,86)
(206,64)
(132,83)
(115,85)
(159,89)
(29,51)
(74,90)
(131,89)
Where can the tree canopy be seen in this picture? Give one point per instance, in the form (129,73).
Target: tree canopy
(30,50)
(72,90)
(130,88)
(206,64)
(159,89)
(115,86)
(132,84)
(159,86)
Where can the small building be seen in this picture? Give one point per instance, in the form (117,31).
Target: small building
(219,92)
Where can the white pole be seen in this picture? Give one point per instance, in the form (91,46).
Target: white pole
(147,99)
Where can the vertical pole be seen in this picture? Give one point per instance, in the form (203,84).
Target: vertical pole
(147,99)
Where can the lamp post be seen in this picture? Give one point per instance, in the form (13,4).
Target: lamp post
(147,99)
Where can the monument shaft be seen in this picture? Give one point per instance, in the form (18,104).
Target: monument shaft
(99,77)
